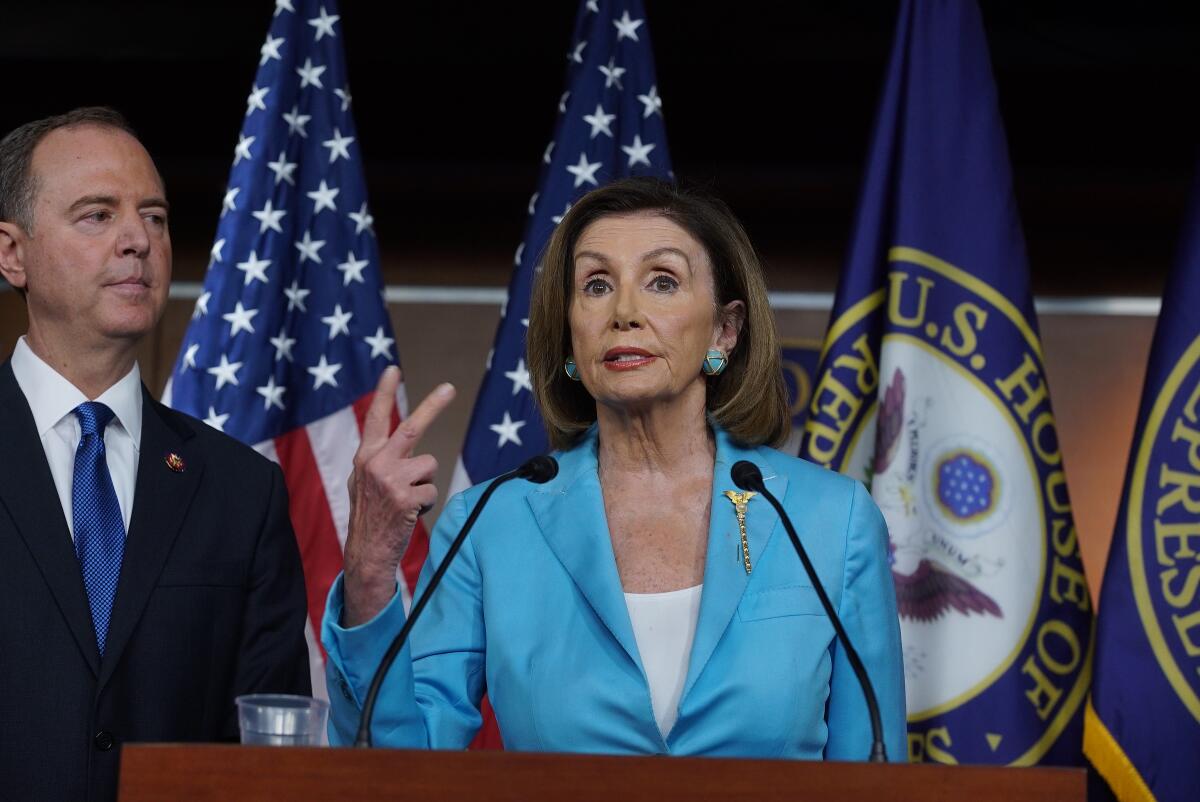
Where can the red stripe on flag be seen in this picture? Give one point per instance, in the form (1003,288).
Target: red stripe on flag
(312,520)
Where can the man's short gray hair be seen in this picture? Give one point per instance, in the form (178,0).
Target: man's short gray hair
(18,184)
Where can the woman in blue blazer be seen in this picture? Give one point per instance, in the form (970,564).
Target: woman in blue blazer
(638,602)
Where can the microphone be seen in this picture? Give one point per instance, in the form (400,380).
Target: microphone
(747,476)
(539,470)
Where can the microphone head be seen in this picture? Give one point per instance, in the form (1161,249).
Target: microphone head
(539,469)
(746,475)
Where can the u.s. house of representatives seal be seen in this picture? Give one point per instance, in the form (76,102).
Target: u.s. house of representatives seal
(933,391)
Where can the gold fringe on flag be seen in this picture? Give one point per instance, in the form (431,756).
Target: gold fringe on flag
(1111,761)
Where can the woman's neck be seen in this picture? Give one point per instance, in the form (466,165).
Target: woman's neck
(654,441)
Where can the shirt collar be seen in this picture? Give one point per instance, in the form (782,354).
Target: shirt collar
(51,396)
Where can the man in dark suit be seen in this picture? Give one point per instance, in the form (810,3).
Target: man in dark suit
(147,564)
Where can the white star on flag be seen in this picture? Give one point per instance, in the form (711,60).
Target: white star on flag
(533,199)
(296,121)
(344,94)
(352,269)
(562,102)
(272,393)
(627,28)
(652,102)
(215,254)
(338,322)
(381,344)
(201,305)
(338,146)
(519,377)
(600,122)
(270,50)
(558,218)
(216,421)
(310,74)
(546,155)
(228,204)
(226,372)
(362,220)
(309,248)
(254,268)
(584,171)
(269,217)
(283,5)
(507,429)
(283,169)
(323,197)
(283,345)
(239,319)
(296,295)
(255,99)
(189,357)
(324,24)
(637,152)
(242,150)
(324,373)
(576,55)
(612,74)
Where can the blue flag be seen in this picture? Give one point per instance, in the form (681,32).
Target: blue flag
(609,126)
(932,389)
(1143,723)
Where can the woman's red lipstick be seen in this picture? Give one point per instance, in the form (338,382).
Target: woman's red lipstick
(627,358)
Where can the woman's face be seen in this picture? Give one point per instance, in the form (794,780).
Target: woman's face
(642,312)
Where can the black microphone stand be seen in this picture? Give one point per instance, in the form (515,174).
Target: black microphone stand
(747,476)
(539,470)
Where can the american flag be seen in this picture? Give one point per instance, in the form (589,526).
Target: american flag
(609,126)
(290,332)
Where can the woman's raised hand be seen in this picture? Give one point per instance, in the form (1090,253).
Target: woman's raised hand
(389,489)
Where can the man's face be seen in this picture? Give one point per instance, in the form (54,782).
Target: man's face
(97,265)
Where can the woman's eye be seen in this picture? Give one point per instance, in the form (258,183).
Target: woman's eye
(664,283)
(595,286)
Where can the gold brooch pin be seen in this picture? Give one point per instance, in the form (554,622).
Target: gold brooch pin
(175,462)
(739,507)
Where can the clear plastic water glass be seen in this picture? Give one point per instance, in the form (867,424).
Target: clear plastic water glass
(276,719)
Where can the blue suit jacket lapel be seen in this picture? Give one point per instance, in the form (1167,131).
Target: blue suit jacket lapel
(570,513)
(725,576)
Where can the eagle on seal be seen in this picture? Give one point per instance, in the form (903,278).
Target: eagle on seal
(932,589)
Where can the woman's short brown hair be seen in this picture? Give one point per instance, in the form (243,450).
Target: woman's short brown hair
(748,399)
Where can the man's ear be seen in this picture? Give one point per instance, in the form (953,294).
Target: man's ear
(729,326)
(12,266)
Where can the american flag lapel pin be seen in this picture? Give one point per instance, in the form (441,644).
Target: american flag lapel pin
(175,462)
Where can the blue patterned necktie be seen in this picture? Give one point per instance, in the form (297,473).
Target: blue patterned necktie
(99,528)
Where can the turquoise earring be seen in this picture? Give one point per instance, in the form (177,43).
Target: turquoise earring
(571,369)
(714,363)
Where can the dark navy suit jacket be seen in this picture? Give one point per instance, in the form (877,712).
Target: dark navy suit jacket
(210,604)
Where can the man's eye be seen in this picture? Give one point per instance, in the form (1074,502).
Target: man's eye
(664,283)
(98,216)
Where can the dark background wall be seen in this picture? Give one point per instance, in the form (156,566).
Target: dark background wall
(769,103)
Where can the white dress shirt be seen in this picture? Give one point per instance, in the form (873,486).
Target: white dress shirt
(664,626)
(53,399)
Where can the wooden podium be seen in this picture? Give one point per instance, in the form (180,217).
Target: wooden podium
(217,772)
